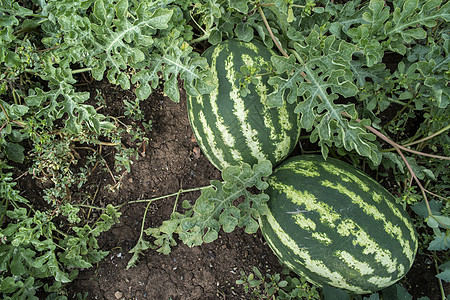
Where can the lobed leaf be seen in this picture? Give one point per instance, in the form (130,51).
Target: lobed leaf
(65,101)
(325,62)
(392,30)
(215,208)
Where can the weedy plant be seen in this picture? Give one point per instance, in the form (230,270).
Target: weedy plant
(272,286)
(33,246)
(372,77)
(276,286)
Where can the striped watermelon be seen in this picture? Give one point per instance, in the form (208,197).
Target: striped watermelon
(231,128)
(335,225)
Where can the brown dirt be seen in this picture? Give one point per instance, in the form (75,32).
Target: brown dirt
(205,272)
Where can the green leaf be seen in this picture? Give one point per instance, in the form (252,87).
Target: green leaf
(443,221)
(215,208)
(286,89)
(396,292)
(350,15)
(332,293)
(440,243)
(186,204)
(282,283)
(421,208)
(14,152)
(169,226)
(22,260)
(444,275)
(361,72)
(229,219)
(257,272)
(138,249)
(191,68)
(239,5)
(383,29)
(10,285)
(377,15)
(244,32)
(211,235)
(432,222)
(445,266)
(64,101)
(123,41)
(407,21)
(17,213)
(374,296)
(254,283)
(328,76)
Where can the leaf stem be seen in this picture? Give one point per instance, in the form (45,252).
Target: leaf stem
(81,70)
(266,23)
(176,201)
(441,287)
(205,34)
(143,218)
(273,4)
(428,137)
(4,111)
(181,191)
(200,39)
(404,147)
(91,206)
(3,125)
(417,152)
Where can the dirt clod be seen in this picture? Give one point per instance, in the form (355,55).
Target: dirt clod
(118,295)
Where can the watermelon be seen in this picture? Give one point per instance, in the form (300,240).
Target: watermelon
(232,127)
(334,225)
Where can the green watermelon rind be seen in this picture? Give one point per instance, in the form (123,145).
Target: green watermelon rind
(335,225)
(231,129)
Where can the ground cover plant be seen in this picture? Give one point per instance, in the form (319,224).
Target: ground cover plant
(371,78)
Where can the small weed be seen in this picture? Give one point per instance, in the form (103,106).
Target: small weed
(272,286)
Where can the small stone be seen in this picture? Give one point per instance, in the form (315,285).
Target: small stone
(118,294)
(197,152)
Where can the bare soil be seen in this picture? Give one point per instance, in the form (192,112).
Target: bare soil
(169,164)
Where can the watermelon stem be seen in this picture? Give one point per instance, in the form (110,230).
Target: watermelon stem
(205,35)
(200,39)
